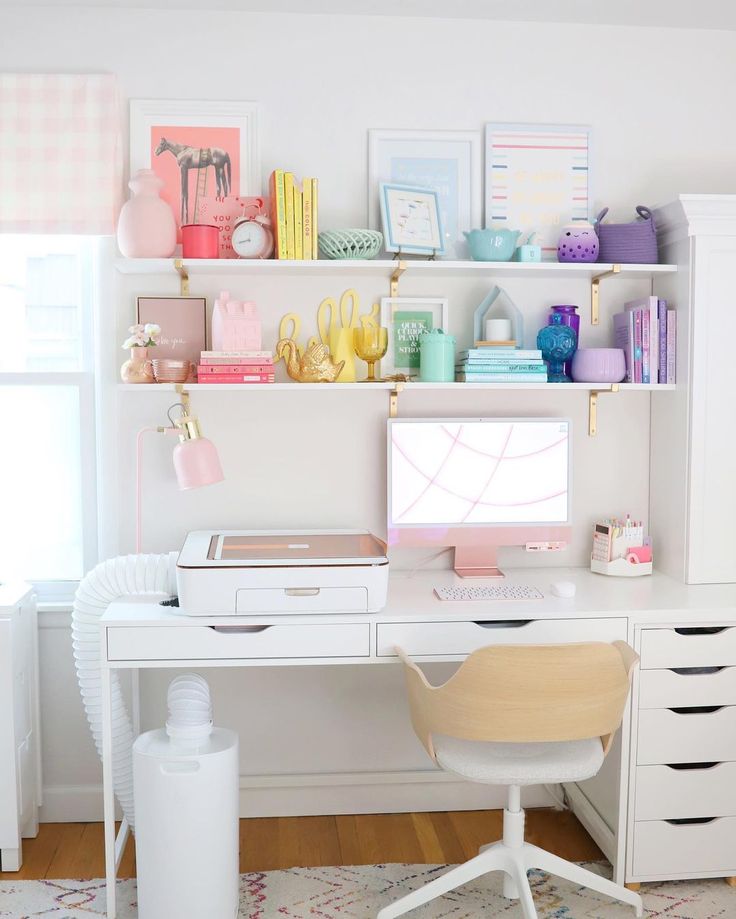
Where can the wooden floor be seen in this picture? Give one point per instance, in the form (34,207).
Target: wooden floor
(75,850)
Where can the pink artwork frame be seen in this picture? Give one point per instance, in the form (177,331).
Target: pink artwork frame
(183,322)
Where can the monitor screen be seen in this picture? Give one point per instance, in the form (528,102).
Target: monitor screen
(480,472)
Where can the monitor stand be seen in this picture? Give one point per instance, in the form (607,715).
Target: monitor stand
(477,562)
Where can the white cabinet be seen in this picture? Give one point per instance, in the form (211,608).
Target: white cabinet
(693,486)
(20,775)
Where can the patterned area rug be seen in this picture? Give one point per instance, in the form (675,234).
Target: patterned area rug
(338,893)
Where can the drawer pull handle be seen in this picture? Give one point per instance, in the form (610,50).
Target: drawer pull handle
(691,766)
(701,630)
(696,671)
(684,821)
(301,591)
(503,623)
(697,709)
(240,629)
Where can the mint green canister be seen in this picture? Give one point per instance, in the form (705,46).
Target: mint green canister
(436,357)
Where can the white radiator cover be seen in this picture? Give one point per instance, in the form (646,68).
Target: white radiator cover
(20,769)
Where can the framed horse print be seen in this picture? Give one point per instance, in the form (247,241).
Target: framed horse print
(205,153)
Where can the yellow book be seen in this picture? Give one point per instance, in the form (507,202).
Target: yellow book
(307,218)
(298,220)
(315,219)
(278,212)
(289,202)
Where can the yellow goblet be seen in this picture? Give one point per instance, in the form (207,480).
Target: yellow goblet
(370,343)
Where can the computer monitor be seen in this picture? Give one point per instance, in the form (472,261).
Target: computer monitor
(479,484)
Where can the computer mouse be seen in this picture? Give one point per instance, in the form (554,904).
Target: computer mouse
(565,589)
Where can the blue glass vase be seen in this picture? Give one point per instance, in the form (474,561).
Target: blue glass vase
(557,342)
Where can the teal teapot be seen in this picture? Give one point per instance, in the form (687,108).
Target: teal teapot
(492,244)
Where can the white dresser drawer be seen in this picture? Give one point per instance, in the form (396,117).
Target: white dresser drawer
(669,737)
(425,639)
(664,793)
(687,647)
(674,689)
(666,848)
(304,599)
(239,642)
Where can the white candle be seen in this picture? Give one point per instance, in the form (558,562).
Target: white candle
(498,329)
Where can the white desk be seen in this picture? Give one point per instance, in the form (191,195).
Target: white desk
(138,635)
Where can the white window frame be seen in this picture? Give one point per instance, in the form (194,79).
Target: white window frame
(62,591)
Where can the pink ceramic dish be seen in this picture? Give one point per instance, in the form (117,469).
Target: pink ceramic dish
(598,365)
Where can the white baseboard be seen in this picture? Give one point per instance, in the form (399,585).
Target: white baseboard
(322,793)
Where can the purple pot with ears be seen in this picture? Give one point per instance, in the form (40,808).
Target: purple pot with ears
(578,243)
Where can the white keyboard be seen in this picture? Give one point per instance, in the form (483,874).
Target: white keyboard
(497,592)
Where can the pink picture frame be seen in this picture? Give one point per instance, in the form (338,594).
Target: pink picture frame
(183,322)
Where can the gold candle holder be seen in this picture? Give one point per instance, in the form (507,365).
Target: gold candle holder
(371,344)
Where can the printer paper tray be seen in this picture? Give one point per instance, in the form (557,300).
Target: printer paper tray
(305,599)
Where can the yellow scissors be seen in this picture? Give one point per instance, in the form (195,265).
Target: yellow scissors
(327,315)
(290,327)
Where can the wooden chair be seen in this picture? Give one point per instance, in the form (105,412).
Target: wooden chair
(521,715)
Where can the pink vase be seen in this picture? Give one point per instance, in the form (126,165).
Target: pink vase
(146,226)
(138,369)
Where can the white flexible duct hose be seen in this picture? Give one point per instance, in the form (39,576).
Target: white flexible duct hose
(115,579)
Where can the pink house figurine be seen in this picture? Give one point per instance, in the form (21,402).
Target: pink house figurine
(236,325)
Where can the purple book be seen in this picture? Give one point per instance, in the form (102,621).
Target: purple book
(638,352)
(671,346)
(662,335)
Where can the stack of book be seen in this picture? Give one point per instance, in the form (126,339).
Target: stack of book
(501,364)
(235,367)
(293,216)
(647,333)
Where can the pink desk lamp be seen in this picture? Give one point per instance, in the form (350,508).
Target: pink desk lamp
(196,462)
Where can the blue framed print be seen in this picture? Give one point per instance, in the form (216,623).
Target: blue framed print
(412,222)
(447,161)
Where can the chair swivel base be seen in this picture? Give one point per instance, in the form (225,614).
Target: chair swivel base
(514,857)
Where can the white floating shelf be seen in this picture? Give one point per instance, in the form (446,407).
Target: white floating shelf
(379,387)
(438,268)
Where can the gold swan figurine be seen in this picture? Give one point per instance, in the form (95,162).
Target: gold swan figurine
(314,366)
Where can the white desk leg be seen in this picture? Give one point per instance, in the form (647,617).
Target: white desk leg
(108,793)
(135,687)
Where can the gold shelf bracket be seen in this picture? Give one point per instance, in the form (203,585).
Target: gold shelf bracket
(393,400)
(593,407)
(183,277)
(595,293)
(184,396)
(397,272)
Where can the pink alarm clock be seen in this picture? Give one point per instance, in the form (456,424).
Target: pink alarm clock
(252,236)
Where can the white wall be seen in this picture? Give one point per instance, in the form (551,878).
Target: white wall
(654,101)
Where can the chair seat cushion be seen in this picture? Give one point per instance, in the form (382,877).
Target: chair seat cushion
(520,763)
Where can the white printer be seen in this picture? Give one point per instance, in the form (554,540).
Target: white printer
(248,572)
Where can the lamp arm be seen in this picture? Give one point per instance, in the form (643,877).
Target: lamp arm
(138,465)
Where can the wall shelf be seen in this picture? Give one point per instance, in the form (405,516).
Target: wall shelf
(386,267)
(382,387)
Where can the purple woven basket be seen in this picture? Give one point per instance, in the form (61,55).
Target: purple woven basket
(628,243)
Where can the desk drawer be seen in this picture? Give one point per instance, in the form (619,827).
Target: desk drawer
(664,793)
(673,689)
(666,848)
(687,647)
(670,737)
(425,639)
(246,642)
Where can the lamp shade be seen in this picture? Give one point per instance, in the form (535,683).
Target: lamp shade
(196,463)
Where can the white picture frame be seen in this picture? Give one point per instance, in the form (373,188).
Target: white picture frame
(449,161)
(537,179)
(147,115)
(432,312)
(411,219)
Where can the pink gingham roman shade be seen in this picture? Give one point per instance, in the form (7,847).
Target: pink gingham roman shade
(60,148)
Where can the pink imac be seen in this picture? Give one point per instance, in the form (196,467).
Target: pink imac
(479,484)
